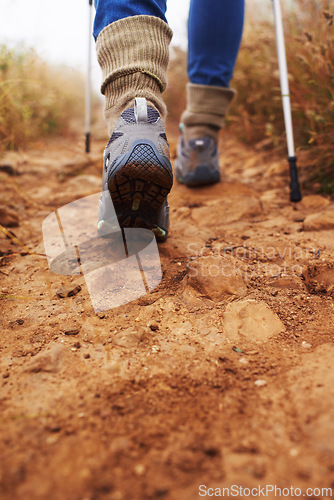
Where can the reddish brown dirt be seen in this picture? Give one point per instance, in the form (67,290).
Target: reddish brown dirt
(222,376)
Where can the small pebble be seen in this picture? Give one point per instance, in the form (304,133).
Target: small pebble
(54,428)
(62,292)
(87,355)
(68,292)
(260,382)
(155,348)
(39,337)
(20,321)
(306,345)
(72,331)
(139,469)
(7,168)
(154,326)
(74,291)
(53,438)
(243,360)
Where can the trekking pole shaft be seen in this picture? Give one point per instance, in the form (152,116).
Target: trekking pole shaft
(284,80)
(283,72)
(88,81)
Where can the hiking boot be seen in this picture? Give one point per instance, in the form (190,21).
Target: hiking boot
(137,173)
(197,162)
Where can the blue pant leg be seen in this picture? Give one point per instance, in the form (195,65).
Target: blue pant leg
(214,36)
(108,11)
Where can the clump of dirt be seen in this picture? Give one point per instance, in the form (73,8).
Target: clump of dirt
(319,278)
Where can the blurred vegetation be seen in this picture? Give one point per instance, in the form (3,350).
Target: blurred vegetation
(256,116)
(36,100)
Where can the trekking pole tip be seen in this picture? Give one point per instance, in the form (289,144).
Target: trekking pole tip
(295,194)
(88,142)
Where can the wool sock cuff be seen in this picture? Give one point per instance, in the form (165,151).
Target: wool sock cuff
(207,106)
(133,54)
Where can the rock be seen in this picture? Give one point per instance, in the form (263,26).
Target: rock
(73,189)
(193,300)
(47,361)
(39,337)
(139,469)
(193,239)
(217,277)
(223,211)
(260,382)
(319,278)
(314,202)
(154,326)
(250,320)
(127,338)
(320,221)
(8,168)
(71,331)
(74,291)
(68,291)
(120,445)
(8,217)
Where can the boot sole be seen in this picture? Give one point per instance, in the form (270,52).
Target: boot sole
(139,184)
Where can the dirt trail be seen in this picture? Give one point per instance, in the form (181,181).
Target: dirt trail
(222,376)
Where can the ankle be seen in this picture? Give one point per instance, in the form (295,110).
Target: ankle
(207,106)
(121,93)
(197,131)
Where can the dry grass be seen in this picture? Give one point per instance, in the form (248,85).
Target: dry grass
(36,100)
(256,115)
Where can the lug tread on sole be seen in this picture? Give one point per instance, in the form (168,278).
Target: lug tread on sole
(129,184)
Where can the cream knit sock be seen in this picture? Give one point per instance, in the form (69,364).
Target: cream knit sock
(207,106)
(133,54)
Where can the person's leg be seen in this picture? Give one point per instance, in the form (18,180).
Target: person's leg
(132,44)
(214,35)
(109,11)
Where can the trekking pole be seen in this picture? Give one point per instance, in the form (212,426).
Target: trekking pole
(295,194)
(88,80)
